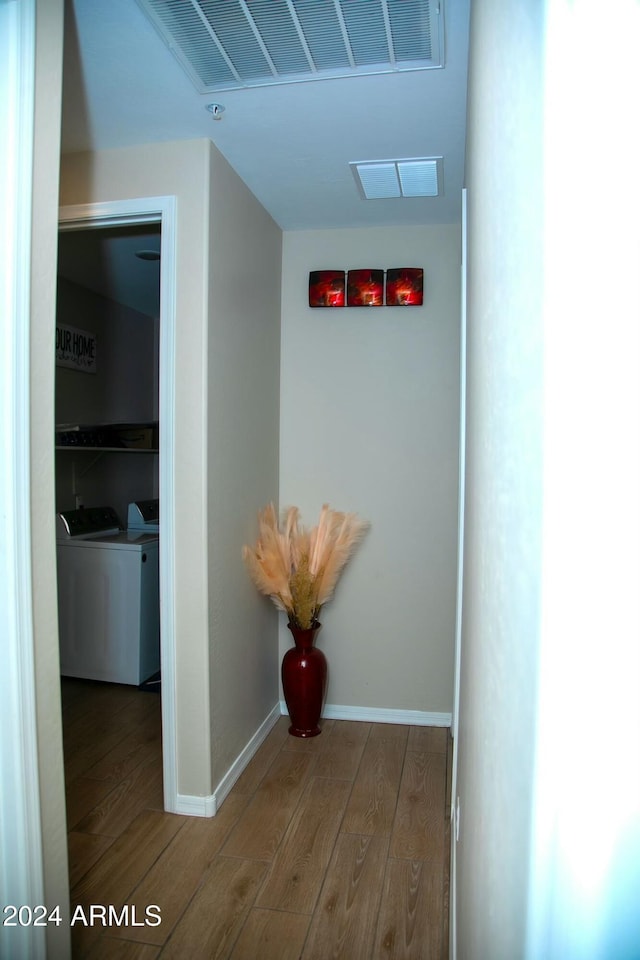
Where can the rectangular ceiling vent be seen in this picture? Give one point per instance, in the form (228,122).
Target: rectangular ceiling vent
(230,44)
(386,179)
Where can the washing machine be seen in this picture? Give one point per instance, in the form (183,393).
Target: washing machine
(108,598)
(144,515)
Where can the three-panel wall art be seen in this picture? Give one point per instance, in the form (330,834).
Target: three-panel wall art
(395,287)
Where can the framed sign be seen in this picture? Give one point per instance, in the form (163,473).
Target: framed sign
(76,349)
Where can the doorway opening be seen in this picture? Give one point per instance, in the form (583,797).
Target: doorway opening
(137,222)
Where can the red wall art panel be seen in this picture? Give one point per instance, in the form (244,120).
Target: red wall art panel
(326,288)
(365,288)
(404,287)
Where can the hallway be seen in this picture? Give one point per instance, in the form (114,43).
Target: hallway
(336,846)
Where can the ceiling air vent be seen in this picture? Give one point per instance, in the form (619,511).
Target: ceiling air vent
(384,179)
(230,44)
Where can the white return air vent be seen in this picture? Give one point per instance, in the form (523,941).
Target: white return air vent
(384,179)
(229,44)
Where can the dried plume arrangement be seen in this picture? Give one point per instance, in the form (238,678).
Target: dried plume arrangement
(299,568)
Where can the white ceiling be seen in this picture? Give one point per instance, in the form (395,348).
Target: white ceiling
(105,261)
(290,143)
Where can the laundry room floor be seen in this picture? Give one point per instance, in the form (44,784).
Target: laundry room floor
(336,846)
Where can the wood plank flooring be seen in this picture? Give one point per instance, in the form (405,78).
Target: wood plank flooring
(334,848)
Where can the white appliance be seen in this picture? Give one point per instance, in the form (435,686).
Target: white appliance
(144,515)
(108,598)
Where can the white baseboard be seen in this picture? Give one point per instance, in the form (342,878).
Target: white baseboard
(417,718)
(243,758)
(208,806)
(196,806)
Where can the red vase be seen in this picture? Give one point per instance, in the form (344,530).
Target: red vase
(304,678)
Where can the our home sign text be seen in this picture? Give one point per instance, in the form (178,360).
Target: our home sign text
(76,348)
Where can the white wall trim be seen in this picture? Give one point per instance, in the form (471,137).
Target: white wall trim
(239,764)
(196,806)
(21,868)
(154,210)
(208,806)
(416,718)
(453,930)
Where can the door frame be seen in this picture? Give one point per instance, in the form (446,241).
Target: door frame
(455,718)
(160,210)
(22,879)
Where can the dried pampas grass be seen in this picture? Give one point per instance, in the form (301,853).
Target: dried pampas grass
(299,568)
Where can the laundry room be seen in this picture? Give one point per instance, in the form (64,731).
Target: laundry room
(107,377)
(107,453)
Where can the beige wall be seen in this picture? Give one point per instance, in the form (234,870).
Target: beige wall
(370,423)
(180,170)
(48,91)
(227,359)
(245,256)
